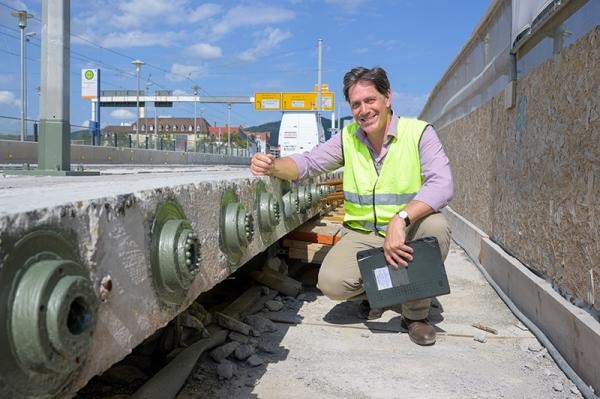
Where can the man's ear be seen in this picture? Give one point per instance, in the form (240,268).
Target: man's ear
(388,99)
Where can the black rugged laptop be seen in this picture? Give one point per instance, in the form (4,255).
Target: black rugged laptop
(424,277)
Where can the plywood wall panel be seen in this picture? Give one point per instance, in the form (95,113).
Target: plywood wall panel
(530,176)
(470,146)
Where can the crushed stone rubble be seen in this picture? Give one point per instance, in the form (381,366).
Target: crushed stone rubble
(247,345)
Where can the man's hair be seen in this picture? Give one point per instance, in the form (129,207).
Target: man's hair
(376,76)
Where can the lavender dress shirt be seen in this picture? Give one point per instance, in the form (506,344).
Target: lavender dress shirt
(437,189)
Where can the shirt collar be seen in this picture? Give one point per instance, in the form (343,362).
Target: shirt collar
(391,131)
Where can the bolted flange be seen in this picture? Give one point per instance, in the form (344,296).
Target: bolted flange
(305,197)
(176,253)
(269,214)
(291,204)
(238,229)
(315,193)
(49,313)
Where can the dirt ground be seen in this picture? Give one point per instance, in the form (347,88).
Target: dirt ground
(332,353)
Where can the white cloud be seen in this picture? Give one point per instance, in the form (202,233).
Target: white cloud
(136,13)
(137,38)
(346,5)
(204,11)
(251,16)
(179,92)
(360,50)
(122,114)
(8,97)
(407,104)
(267,40)
(181,72)
(205,51)
(4,79)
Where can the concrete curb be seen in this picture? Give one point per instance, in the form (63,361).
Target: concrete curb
(574,332)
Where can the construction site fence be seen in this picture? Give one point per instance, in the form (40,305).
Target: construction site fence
(81,135)
(492,57)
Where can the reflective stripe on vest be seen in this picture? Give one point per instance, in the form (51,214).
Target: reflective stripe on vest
(379,199)
(371,200)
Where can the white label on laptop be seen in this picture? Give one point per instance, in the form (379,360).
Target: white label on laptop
(382,277)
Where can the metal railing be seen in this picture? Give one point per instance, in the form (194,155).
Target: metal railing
(81,135)
(490,60)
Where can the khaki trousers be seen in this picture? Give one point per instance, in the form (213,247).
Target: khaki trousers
(339,276)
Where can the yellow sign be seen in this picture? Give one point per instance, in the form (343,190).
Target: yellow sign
(267,101)
(324,87)
(301,101)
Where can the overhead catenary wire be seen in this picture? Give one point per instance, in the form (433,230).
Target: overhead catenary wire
(213,110)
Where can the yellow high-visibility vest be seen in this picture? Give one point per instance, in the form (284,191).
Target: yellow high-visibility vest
(371,200)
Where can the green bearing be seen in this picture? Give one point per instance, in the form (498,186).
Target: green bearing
(304,197)
(52,315)
(239,227)
(176,253)
(315,193)
(291,204)
(269,214)
(48,308)
(236,228)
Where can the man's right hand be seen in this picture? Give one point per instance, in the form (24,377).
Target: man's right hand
(262,164)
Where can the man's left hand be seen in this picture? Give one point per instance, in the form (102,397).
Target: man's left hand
(394,247)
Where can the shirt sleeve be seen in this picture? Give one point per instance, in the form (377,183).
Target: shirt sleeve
(437,189)
(323,158)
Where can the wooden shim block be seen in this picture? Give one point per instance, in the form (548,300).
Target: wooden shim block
(277,281)
(305,245)
(314,237)
(334,219)
(306,255)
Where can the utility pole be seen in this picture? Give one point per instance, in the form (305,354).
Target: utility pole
(319,73)
(27,37)
(195,89)
(228,127)
(138,67)
(23,16)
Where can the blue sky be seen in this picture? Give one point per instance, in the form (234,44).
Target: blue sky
(242,47)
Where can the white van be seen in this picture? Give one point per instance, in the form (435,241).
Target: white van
(299,132)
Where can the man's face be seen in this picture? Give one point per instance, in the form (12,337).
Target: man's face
(369,107)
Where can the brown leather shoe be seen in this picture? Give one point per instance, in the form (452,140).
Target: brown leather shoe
(421,332)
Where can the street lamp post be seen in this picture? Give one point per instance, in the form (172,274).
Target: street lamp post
(228,127)
(27,37)
(23,16)
(138,67)
(195,89)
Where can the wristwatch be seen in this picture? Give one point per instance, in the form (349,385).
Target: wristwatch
(404,216)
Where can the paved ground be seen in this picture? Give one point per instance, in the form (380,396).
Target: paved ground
(333,354)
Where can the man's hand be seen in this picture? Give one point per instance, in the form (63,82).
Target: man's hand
(394,248)
(262,164)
